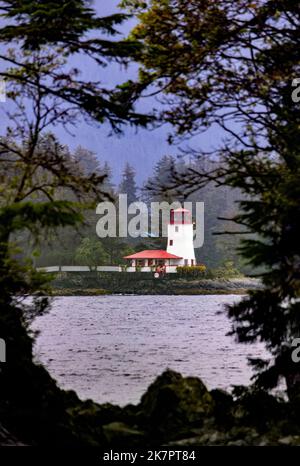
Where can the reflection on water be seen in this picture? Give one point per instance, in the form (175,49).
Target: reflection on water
(110,348)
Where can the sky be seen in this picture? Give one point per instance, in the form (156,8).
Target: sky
(141,148)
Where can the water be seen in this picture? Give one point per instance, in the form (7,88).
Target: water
(110,348)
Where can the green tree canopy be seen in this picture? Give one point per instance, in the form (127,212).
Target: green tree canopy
(70,28)
(90,252)
(128,184)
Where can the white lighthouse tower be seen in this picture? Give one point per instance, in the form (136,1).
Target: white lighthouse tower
(180,236)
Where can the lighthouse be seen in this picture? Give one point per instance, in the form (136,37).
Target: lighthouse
(180,236)
(180,248)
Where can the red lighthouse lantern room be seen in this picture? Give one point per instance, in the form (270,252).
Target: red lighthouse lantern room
(180,217)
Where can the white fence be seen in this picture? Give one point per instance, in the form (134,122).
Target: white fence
(55,268)
(104,268)
(109,268)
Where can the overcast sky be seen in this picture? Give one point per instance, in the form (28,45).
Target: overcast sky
(142,148)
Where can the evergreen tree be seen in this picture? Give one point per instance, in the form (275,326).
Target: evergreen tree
(159,186)
(87,160)
(128,184)
(108,183)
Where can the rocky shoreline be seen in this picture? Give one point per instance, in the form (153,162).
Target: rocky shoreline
(175,411)
(84,285)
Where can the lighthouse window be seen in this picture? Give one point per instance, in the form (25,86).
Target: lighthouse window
(171,242)
(176,229)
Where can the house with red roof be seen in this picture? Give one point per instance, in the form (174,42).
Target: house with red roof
(180,247)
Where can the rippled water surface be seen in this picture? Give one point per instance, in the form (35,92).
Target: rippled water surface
(110,348)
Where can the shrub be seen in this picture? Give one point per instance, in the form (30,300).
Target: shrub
(226,270)
(195,271)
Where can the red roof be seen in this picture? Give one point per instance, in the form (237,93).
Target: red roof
(181,210)
(153,254)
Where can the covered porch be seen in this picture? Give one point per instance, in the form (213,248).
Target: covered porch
(152,261)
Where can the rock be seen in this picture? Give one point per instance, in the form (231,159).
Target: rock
(175,410)
(214,438)
(9,440)
(263,443)
(223,405)
(291,440)
(257,408)
(241,435)
(120,434)
(192,441)
(222,398)
(175,404)
(237,443)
